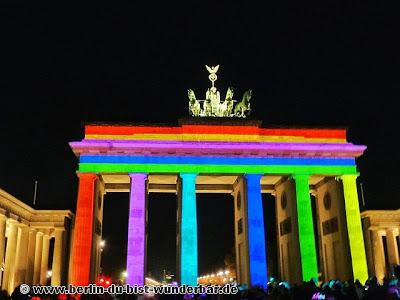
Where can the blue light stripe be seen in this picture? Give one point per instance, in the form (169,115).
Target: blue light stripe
(197,160)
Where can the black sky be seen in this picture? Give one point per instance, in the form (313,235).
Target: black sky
(62,66)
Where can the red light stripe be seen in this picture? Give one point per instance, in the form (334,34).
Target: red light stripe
(208,129)
(127,130)
(311,133)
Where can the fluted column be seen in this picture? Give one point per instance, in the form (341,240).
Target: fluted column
(38,257)
(188,244)
(21,257)
(58,255)
(255,213)
(379,256)
(308,252)
(81,257)
(136,253)
(31,256)
(354,228)
(3,226)
(393,251)
(8,273)
(45,260)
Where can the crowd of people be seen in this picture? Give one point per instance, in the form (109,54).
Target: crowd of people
(372,289)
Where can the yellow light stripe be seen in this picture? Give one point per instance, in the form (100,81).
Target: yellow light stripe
(213,137)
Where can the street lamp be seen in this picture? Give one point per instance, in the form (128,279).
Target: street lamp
(102,244)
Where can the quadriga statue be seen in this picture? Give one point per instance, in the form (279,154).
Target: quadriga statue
(242,109)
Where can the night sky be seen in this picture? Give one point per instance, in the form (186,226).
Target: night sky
(63,66)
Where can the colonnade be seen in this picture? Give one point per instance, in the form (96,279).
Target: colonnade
(382,237)
(25,236)
(249,238)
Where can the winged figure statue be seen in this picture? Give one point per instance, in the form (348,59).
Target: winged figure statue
(212,70)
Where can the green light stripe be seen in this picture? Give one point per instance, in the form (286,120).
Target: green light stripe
(354,228)
(308,252)
(175,168)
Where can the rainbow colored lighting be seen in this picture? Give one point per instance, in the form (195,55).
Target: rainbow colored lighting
(135,260)
(308,252)
(83,231)
(257,255)
(188,264)
(228,148)
(213,133)
(356,239)
(234,147)
(223,169)
(118,131)
(220,160)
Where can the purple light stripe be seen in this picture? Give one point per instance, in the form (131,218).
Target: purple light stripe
(135,259)
(179,145)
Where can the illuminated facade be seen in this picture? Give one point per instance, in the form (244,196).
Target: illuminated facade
(26,235)
(299,166)
(382,241)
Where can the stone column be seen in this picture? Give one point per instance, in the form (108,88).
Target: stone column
(38,257)
(393,251)
(58,256)
(378,253)
(45,259)
(188,264)
(308,251)
(31,256)
(136,254)
(3,226)
(11,249)
(83,230)
(241,231)
(21,256)
(255,214)
(354,228)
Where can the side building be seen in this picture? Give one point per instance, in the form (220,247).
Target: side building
(34,244)
(382,240)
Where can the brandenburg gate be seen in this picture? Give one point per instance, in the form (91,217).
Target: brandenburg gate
(219,150)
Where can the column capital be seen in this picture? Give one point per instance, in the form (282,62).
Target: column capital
(139,176)
(348,176)
(188,175)
(253,175)
(296,176)
(11,221)
(46,236)
(393,230)
(3,217)
(87,175)
(32,229)
(23,226)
